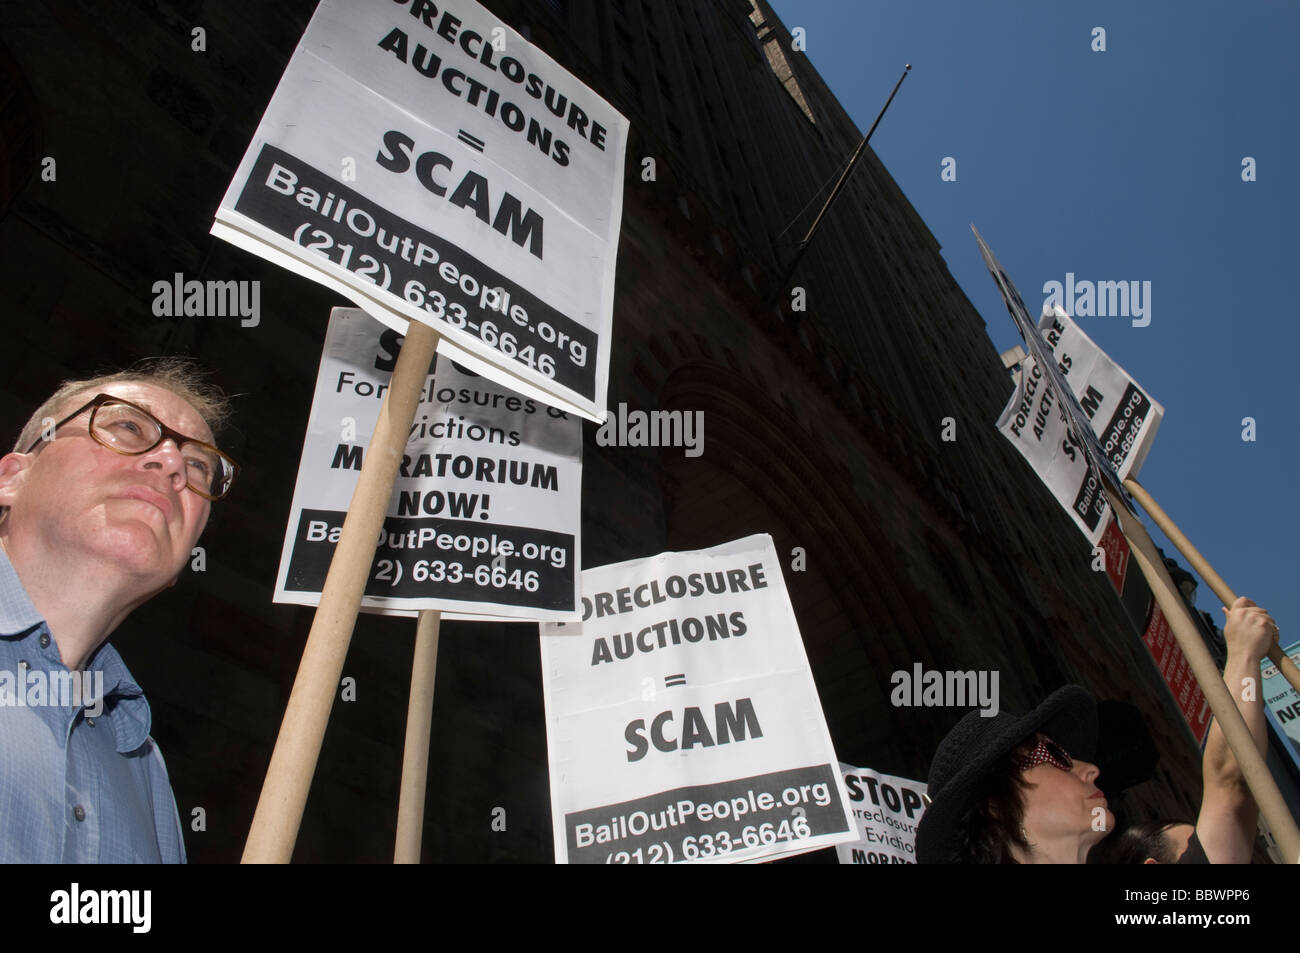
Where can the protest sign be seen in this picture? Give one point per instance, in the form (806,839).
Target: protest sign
(1123,417)
(1282,700)
(887,810)
(1282,703)
(1076,419)
(432,165)
(484,518)
(682,719)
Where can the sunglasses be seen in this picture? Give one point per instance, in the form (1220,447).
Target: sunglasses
(1046,751)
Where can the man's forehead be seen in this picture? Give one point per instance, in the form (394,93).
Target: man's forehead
(168,406)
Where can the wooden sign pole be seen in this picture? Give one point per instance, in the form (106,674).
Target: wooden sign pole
(293,763)
(1205,571)
(1235,731)
(415,755)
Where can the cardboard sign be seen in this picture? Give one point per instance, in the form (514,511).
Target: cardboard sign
(683,724)
(485,516)
(432,165)
(887,810)
(1123,421)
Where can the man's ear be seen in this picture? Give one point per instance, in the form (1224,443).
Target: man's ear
(14,469)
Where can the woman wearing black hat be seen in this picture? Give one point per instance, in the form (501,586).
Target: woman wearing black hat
(1224,832)
(1008,790)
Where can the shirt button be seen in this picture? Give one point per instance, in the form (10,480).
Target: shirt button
(79,812)
(90,722)
(45,640)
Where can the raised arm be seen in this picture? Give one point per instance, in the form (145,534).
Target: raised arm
(1226,825)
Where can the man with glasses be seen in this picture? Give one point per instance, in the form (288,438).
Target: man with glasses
(101,503)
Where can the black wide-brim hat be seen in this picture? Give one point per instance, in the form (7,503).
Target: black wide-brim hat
(976,743)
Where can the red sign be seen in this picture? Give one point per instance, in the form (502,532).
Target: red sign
(1115,549)
(1169,658)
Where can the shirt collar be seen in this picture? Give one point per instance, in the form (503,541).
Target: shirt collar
(123,697)
(131,718)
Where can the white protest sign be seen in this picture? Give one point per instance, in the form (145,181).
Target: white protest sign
(887,810)
(1281,698)
(682,719)
(1077,420)
(484,520)
(1124,419)
(429,163)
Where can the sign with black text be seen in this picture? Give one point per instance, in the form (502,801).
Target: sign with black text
(1076,420)
(1282,703)
(682,719)
(431,164)
(1124,419)
(887,810)
(484,520)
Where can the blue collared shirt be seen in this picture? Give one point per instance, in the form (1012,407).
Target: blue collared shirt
(75,787)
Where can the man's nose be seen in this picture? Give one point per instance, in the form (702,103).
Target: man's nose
(167,457)
(1086,770)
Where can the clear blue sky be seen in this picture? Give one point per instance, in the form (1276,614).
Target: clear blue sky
(1119,165)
